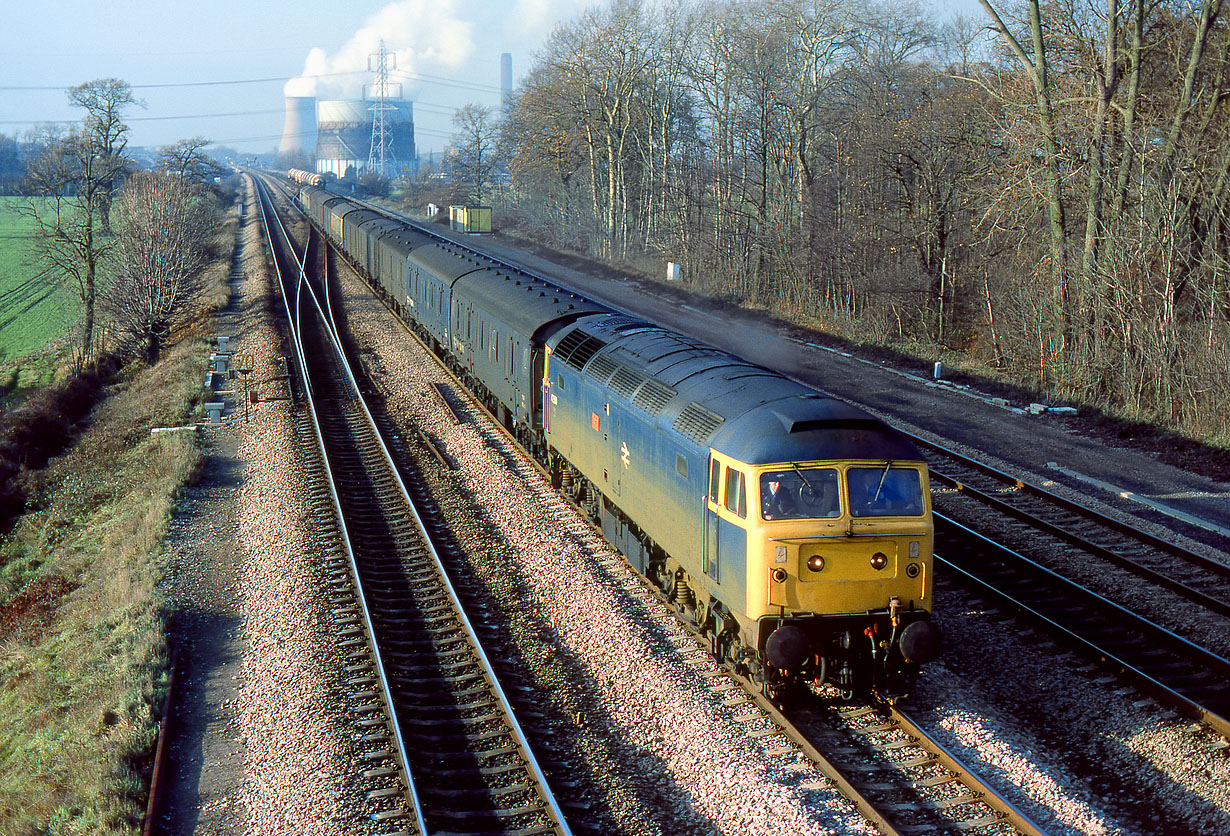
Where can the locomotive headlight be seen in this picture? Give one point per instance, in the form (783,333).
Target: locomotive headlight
(815,563)
(779,575)
(879,560)
(912,570)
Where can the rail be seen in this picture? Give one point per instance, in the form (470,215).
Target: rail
(389,468)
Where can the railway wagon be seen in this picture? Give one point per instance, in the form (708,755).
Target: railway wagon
(792,528)
(332,211)
(386,244)
(431,271)
(356,235)
(499,324)
(309,178)
(313,199)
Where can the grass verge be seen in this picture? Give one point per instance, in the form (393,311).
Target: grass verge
(83,657)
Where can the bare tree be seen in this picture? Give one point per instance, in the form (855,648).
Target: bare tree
(545,143)
(474,145)
(1052,192)
(187,158)
(162,247)
(65,207)
(71,183)
(374,183)
(1034,62)
(11,167)
(105,101)
(605,57)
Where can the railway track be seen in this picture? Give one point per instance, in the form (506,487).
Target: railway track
(958,802)
(1201,580)
(1171,667)
(909,778)
(927,791)
(1174,670)
(444,749)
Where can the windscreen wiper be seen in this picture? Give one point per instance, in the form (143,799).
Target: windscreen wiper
(809,485)
(880,486)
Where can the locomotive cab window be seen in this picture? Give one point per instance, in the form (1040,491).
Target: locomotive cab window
(800,494)
(715,482)
(885,491)
(736,495)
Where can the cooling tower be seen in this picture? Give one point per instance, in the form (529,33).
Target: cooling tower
(344,140)
(299,131)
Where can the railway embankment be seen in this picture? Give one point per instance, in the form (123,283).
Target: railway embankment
(82,622)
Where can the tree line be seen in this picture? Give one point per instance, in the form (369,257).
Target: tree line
(126,248)
(1044,188)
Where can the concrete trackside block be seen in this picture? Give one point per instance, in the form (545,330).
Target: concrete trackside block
(185,428)
(214,408)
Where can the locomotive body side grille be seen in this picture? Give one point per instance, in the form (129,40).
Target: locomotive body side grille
(576,348)
(625,381)
(653,397)
(697,423)
(601,368)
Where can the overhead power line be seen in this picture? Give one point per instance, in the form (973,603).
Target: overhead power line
(170,84)
(148,118)
(448,82)
(423,77)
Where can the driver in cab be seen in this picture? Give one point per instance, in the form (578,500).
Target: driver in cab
(793,495)
(776,502)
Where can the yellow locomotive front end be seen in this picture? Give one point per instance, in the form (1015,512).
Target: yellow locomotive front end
(840,573)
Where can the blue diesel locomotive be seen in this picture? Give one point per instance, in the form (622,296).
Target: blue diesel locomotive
(792,529)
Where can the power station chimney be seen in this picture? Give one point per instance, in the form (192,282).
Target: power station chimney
(299,130)
(506,82)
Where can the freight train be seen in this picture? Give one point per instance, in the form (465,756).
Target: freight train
(792,529)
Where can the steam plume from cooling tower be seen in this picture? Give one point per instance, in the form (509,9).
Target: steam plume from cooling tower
(426,36)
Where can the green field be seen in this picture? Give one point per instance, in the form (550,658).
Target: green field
(32,314)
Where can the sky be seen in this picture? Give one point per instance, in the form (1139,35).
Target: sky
(220,69)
